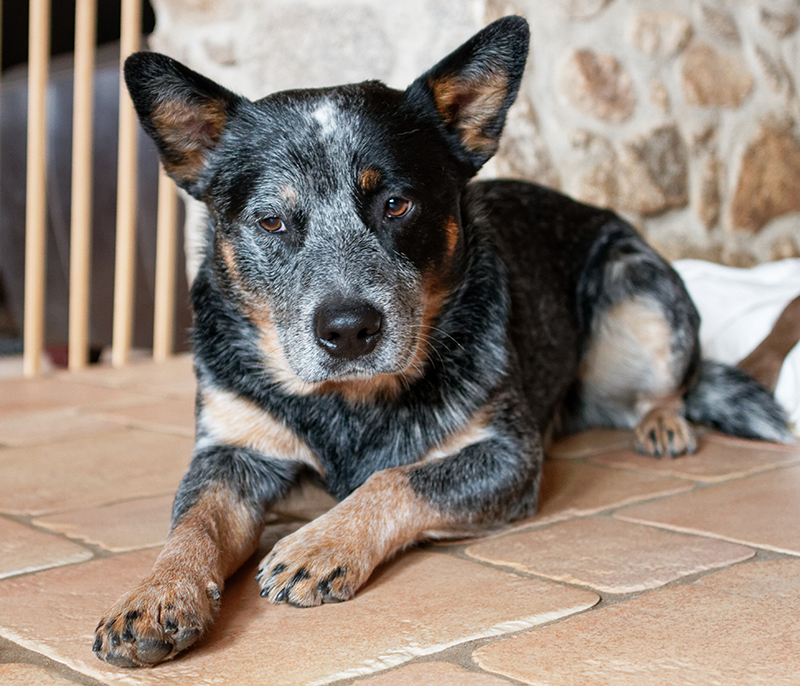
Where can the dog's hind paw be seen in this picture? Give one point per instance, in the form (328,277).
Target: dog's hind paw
(665,433)
(154,622)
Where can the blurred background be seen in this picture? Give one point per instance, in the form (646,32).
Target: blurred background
(683,115)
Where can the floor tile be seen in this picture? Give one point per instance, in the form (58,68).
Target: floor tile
(602,554)
(91,471)
(50,426)
(19,396)
(569,489)
(725,439)
(432,674)
(592,442)
(24,549)
(761,510)
(173,377)
(737,627)
(30,675)
(717,459)
(420,603)
(173,415)
(121,527)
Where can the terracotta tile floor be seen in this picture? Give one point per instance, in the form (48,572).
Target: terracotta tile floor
(636,571)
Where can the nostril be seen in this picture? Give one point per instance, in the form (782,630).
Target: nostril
(373,326)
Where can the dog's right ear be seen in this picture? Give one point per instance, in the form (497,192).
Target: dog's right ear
(184,112)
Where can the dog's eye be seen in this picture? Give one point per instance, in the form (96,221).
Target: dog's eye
(398,207)
(272,224)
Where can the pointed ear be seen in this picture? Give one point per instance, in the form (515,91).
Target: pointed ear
(470,90)
(182,111)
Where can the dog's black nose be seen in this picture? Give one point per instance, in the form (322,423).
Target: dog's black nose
(347,329)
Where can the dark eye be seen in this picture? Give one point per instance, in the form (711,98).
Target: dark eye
(397,207)
(272,224)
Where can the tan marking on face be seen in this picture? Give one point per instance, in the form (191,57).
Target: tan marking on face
(469,105)
(259,314)
(232,420)
(290,195)
(226,250)
(452,232)
(379,518)
(433,299)
(368,179)
(357,391)
(630,349)
(189,131)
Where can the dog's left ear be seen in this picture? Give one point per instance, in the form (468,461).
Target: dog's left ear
(470,90)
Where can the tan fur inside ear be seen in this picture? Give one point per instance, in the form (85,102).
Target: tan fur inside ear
(469,105)
(188,131)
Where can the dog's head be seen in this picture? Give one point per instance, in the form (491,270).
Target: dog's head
(336,211)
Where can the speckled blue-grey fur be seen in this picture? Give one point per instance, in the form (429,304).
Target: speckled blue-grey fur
(529,278)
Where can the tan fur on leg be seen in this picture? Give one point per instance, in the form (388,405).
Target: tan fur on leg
(330,558)
(177,602)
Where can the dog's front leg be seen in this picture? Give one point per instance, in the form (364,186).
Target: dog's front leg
(217,521)
(482,485)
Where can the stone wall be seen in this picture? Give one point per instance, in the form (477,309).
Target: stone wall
(681,114)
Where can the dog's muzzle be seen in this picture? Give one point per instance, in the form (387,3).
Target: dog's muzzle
(347,329)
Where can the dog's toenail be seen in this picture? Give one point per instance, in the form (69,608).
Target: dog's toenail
(119,660)
(185,638)
(152,651)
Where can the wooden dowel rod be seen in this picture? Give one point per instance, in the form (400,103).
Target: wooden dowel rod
(81,219)
(163,326)
(124,275)
(36,187)
(1,51)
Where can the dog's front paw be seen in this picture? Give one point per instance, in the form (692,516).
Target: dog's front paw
(309,567)
(155,622)
(665,433)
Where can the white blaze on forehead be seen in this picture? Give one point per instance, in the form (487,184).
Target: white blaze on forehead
(327,115)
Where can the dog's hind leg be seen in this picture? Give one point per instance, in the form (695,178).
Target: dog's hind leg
(641,348)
